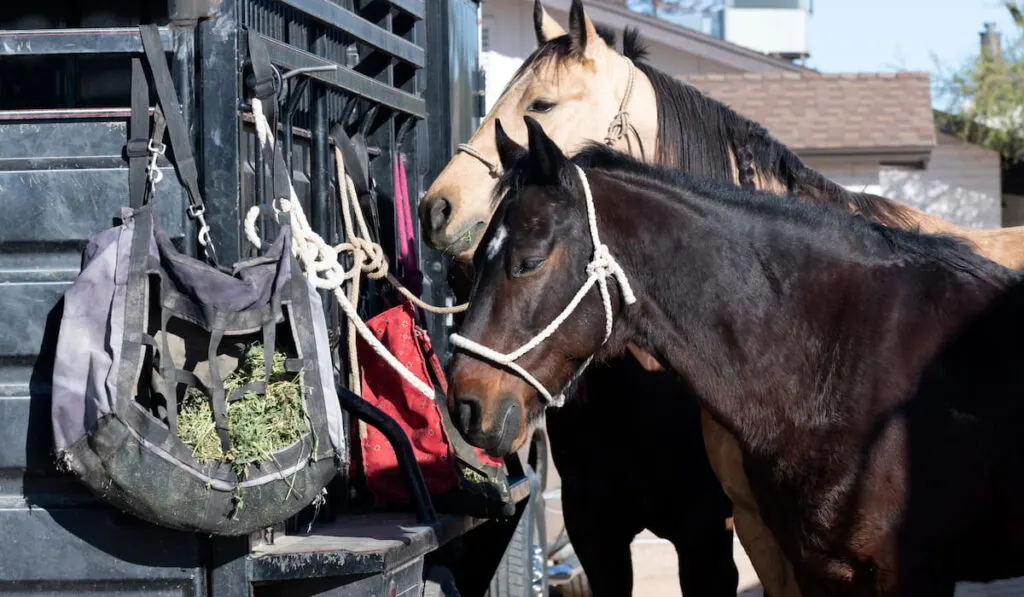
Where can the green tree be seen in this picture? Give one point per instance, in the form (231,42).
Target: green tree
(986,95)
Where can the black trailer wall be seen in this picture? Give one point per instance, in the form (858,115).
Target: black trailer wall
(63,96)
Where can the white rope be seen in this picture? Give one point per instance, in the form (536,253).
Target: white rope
(320,260)
(601,267)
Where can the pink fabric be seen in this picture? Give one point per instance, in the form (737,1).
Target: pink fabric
(411,274)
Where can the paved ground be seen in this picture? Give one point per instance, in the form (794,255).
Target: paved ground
(654,570)
(654,562)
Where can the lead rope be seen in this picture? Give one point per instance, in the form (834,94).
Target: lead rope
(320,260)
(602,266)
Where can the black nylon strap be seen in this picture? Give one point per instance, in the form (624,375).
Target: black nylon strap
(265,86)
(256,387)
(218,398)
(137,148)
(168,98)
(166,366)
(176,129)
(265,89)
(135,308)
(269,348)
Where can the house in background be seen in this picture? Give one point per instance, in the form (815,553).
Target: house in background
(873,132)
(507,38)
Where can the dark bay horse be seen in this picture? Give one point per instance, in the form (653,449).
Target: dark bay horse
(581,89)
(871,375)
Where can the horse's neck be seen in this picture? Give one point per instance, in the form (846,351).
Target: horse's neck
(750,329)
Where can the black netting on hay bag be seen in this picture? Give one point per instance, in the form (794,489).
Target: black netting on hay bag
(193,397)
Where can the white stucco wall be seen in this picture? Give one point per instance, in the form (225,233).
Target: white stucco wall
(960,185)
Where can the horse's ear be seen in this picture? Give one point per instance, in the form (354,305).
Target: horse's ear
(585,40)
(508,150)
(546,157)
(544,26)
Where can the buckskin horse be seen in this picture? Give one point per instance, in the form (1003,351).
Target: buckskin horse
(581,90)
(870,374)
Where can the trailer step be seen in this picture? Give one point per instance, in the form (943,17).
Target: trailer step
(360,544)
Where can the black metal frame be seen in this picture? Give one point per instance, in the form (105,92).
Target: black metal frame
(360,64)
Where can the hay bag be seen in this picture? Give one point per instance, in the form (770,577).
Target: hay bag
(195,397)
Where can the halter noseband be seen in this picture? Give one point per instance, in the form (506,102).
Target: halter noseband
(602,266)
(619,127)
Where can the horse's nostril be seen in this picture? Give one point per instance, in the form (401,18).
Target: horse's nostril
(467,411)
(440,213)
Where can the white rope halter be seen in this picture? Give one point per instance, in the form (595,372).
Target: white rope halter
(601,267)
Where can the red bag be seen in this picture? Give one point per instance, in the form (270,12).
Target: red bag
(419,417)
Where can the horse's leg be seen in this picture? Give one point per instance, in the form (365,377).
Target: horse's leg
(600,511)
(603,550)
(773,569)
(706,565)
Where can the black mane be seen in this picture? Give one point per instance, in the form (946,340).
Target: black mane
(697,133)
(910,245)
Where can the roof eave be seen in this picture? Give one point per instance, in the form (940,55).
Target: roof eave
(916,156)
(682,38)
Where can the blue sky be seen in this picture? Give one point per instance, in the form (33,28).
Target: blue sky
(888,35)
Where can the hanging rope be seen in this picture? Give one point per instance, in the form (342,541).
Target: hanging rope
(321,261)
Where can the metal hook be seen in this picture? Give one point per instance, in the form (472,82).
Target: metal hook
(368,118)
(309,69)
(403,130)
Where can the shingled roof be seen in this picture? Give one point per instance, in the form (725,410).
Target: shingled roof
(886,113)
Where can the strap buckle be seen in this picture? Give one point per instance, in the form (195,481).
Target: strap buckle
(137,148)
(267,87)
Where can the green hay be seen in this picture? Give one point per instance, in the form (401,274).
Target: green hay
(259,424)
(473,475)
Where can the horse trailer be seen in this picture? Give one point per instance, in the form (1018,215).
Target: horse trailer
(396,74)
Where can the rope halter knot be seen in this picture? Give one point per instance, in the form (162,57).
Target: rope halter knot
(602,266)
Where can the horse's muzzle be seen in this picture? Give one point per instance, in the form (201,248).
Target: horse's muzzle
(500,436)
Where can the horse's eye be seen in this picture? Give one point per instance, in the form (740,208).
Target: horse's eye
(540,106)
(527,266)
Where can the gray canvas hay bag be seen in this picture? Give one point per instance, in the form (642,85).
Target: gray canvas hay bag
(154,344)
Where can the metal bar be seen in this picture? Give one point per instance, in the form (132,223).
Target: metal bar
(296,91)
(372,415)
(319,164)
(68,114)
(343,78)
(113,40)
(218,99)
(413,7)
(354,25)
(229,567)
